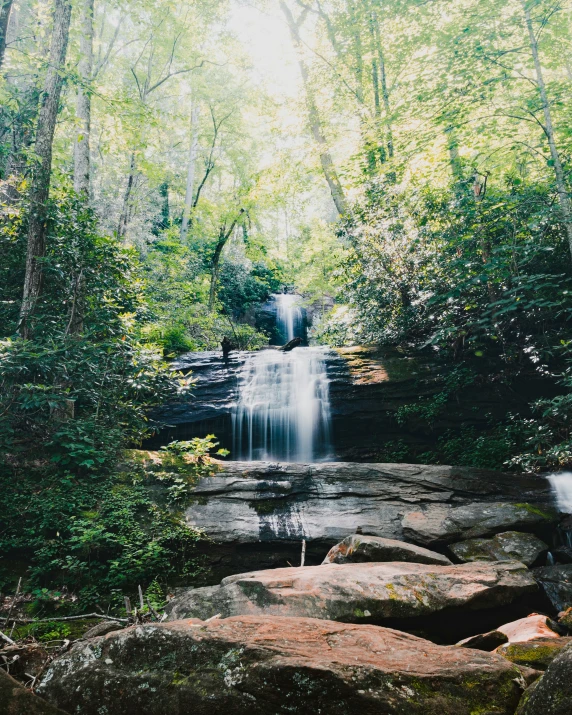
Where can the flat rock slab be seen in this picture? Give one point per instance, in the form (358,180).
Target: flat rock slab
(556,581)
(15,699)
(449,524)
(506,546)
(353,592)
(267,666)
(250,502)
(484,641)
(361,549)
(552,694)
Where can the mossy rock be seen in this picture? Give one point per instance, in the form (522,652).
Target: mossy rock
(538,653)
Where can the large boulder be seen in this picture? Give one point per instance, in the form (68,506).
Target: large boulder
(447,524)
(506,546)
(356,592)
(552,694)
(556,581)
(15,699)
(266,666)
(361,549)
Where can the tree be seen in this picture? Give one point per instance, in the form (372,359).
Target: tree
(83,102)
(5,7)
(224,234)
(315,125)
(40,186)
(563,195)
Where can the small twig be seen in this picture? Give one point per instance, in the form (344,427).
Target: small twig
(303,559)
(128,606)
(141,602)
(213,618)
(13,604)
(67,618)
(7,638)
(153,611)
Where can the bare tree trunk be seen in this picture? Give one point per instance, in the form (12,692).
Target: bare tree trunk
(124,215)
(563,195)
(223,236)
(384,87)
(40,185)
(83,104)
(191,171)
(454,158)
(5,7)
(326,161)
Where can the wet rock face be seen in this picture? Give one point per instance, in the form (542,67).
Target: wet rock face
(552,694)
(268,666)
(368,592)
(507,546)
(362,549)
(15,699)
(556,581)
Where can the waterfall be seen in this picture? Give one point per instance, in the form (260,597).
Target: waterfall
(561,484)
(289,316)
(283,407)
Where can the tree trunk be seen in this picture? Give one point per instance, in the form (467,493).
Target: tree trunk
(224,235)
(326,161)
(191,172)
(124,216)
(83,104)
(563,195)
(454,158)
(5,7)
(40,184)
(384,87)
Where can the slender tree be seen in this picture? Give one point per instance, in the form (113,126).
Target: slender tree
(5,7)
(223,236)
(40,184)
(563,195)
(328,167)
(189,192)
(83,102)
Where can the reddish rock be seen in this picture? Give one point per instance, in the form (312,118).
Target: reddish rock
(15,699)
(529,628)
(354,592)
(266,666)
(361,549)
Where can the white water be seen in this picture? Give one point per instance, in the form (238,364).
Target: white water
(562,489)
(289,316)
(283,407)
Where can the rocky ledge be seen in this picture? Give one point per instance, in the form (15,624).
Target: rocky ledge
(255,665)
(258,513)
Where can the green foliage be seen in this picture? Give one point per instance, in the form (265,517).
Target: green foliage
(81,387)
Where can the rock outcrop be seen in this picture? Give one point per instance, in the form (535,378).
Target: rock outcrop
(266,666)
(15,699)
(552,693)
(361,549)
(506,546)
(353,593)
(556,581)
(257,514)
(534,626)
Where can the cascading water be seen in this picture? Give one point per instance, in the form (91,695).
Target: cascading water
(561,484)
(289,316)
(283,407)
